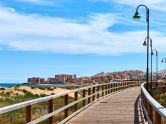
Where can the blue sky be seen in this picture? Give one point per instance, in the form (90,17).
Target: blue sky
(83,37)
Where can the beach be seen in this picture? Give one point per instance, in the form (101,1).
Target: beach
(18,94)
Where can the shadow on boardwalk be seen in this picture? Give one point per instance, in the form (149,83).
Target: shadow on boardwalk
(138,117)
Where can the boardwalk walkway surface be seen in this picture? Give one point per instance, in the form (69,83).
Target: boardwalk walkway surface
(119,108)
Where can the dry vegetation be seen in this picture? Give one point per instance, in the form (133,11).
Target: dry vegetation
(19,94)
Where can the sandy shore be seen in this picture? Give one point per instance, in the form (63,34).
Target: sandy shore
(20,90)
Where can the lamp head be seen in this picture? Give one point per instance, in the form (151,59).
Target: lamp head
(145,44)
(162,60)
(136,16)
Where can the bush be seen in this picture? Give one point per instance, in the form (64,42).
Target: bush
(17,85)
(50,88)
(43,95)
(8,93)
(42,88)
(2,88)
(24,91)
(27,93)
(33,87)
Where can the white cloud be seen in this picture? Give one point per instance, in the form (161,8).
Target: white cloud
(40,2)
(154,4)
(59,35)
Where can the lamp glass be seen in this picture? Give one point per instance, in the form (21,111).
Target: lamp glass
(136,16)
(144,44)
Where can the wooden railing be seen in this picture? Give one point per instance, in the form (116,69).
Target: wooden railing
(155,112)
(86,96)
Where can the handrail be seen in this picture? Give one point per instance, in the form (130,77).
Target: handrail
(38,100)
(152,105)
(94,92)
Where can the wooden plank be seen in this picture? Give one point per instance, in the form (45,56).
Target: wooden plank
(28,113)
(76,98)
(103,90)
(157,118)
(84,94)
(66,103)
(89,93)
(50,109)
(116,109)
(98,89)
(93,98)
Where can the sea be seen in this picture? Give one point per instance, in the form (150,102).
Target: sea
(24,84)
(9,84)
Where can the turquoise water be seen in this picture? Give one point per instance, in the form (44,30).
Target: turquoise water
(8,84)
(38,85)
(41,85)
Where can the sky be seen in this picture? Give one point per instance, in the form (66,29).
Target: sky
(84,37)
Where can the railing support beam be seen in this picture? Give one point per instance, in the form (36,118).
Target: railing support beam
(84,94)
(66,103)
(28,113)
(89,93)
(50,109)
(76,98)
(157,118)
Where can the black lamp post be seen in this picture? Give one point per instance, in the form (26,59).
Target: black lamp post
(156,65)
(146,43)
(165,66)
(137,17)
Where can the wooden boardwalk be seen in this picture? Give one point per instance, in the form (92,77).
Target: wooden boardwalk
(120,108)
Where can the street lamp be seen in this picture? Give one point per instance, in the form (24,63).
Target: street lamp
(156,65)
(137,17)
(165,66)
(146,43)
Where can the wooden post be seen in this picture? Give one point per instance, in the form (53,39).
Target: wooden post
(89,93)
(120,86)
(66,103)
(117,86)
(94,88)
(84,94)
(102,90)
(106,89)
(50,109)
(157,118)
(150,112)
(145,103)
(98,89)
(76,98)
(111,88)
(28,113)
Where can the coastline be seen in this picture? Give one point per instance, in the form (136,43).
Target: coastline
(7,85)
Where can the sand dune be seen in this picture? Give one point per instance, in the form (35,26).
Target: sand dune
(18,90)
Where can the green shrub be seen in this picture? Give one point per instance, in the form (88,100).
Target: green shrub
(42,88)
(1,88)
(43,95)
